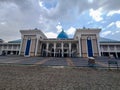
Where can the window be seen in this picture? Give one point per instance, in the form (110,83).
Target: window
(118,47)
(111,47)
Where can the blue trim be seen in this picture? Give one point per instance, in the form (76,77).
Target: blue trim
(28,47)
(89,45)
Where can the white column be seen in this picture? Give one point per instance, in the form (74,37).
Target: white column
(7,47)
(16,47)
(116,51)
(108,50)
(21,44)
(79,47)
(62,48)
(2,48)
(40,48)
(98,43)
(47,49)
(54,49)
(69,49)
(101,50)
(16,53)
(36,50)
(12,48)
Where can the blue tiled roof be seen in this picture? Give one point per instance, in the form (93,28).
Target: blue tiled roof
(1,41)
(106,40)
(62,35)
(15,41)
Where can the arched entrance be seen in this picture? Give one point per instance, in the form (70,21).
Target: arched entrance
(43,50)
(58,50)
(74,50)
(50,50)
(66,49)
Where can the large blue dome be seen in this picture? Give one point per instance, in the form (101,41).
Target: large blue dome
(62,35)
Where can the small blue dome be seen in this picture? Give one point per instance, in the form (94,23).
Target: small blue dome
(62,35)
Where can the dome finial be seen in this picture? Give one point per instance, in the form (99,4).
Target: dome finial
(62,29)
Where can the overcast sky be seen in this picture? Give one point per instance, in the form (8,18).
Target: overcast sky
(52,15)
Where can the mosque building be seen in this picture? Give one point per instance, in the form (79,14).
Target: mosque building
(85,43)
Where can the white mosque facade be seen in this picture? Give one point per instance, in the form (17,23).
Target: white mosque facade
(85,43)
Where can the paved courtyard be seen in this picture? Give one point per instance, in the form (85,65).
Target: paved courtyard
(27,77)
(34,73)
(53,61)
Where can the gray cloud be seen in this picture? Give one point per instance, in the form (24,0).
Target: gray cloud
(65,9)
(23,4)
(24,14)
(17,14)
(111,4)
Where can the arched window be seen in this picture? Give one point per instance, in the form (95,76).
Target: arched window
(44,46)
(66,45)
(58,45)
(50,46)
(74,46)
